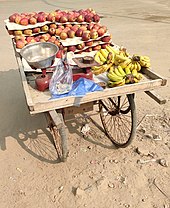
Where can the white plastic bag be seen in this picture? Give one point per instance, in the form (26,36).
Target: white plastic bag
(62,78)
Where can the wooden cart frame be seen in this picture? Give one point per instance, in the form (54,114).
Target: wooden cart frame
(108,100)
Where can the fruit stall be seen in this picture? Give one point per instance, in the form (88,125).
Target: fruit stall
(77,44)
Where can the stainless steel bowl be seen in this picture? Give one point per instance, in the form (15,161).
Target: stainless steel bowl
(39,55)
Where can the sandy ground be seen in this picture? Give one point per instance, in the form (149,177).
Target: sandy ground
(96,174)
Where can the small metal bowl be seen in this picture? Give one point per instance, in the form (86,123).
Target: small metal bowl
(39,55)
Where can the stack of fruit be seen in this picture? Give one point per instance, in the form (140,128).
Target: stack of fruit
(59,26)
(121,68)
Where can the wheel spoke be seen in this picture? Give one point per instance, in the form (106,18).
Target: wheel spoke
(119,119)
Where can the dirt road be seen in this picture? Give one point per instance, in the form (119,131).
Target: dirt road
(96,174)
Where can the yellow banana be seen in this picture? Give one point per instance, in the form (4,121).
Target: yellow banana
(95,68)
(120,58)
(134,72)
(102,58)
(136,80)
(121,71)
(99,71)
(138,66)
(145,58)
(127,81)
(139,76)
(97,58)
(127,69)
(113,77)
(104,52)
(116,83)
(116,71)
(125,63)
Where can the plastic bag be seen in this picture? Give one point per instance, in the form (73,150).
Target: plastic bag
(80,88)
(62,79)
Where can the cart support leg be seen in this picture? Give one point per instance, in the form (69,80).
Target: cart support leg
(56,124)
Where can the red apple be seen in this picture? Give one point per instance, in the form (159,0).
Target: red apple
(79,33)
(68,25)
(24,21)
(29,39)
(106,39)
(89,43)
(80,46)
(104,27)
(58,16)
(66,29)
(63,19)
(17,19)
(75,27)
(19,37)
(96,48)
(71,18)
(57,42)
(71,34)
(37,38)
(41,18)
(45,37)
(80,18)
(18,32)
(36,30)
(58,31)
(83,27)
(103,46)
(96,18)
(50,17)
(44,28)
(32,20)
(86,36)
(63,35)
(96,27)
(71,48)
(93,34)
(12,17)
(28,32)
(20,44)
(88,18)
(53,25)
(90,26)
(52,31)
(101,32)
(88,49)
(61,26)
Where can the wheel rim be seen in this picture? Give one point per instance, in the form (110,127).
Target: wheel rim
(117,118)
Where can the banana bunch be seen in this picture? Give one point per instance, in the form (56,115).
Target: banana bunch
(118,76)
(105,57)
(145,61)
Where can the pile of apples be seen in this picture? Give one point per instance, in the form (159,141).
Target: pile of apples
(22,41)
(83,15)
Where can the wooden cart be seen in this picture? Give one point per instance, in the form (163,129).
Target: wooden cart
(116,108)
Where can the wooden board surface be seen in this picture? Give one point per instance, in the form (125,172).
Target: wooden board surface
(40,101)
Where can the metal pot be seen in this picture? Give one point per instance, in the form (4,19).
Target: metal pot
(39,55)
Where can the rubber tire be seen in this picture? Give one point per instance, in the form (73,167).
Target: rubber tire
(131,108)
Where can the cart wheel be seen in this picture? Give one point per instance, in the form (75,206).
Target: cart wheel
(60,136)
(118,116)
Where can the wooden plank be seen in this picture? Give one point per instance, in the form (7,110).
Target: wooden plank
(55,118)
(47,105)
(156,97)
(25,85)
(152,75)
